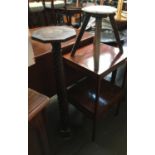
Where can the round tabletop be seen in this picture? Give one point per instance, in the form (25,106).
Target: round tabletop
(100,9)
(53,33)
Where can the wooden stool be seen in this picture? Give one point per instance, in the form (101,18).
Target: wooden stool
(36,104)
(98,12)
(55,35)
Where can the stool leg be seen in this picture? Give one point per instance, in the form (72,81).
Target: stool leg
(85,22)
(97,43)
(114,26)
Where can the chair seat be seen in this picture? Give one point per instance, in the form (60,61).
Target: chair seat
(57,4)
(61,5)
(99,9)
(36,6)
(71,10)
(83,96)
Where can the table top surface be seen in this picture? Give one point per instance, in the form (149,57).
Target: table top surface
(110,58)
(41,49)
(100,9)
(53,34)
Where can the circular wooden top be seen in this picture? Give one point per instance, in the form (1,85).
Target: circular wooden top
(99,9)
(53,33)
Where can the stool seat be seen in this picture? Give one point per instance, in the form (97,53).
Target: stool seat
(99,9)
(98,12)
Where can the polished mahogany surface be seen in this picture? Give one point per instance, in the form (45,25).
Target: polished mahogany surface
(36,122)
(83,96)
(41,75)
(109,59)
(94,95)
(36,103)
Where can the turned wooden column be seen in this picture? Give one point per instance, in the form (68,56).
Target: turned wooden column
(55,35)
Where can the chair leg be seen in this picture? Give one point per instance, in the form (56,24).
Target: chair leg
(113,77)
(125,77)
(69,20)
(117,109)
(45,18)
(80,20)
(95,110)
(94,130)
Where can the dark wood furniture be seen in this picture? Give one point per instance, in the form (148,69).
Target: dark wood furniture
(65,9)
(36,13)
(36,105)
(55,35)
(94,95)
(41,75)
(98,12)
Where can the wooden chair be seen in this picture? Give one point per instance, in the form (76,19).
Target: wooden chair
(36,13)
(60,8)
(36,105)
